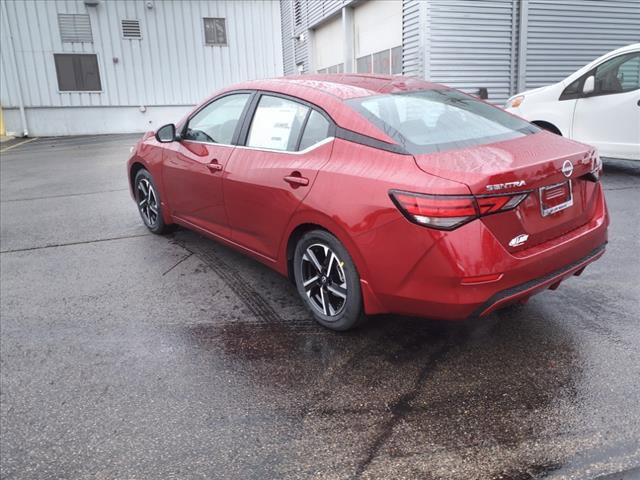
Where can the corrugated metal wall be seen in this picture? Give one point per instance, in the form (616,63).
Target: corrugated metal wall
(469,45)
(564,36)
(286,15)
(170,65)
(413,18)
(298,17)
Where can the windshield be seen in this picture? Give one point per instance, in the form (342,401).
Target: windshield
(437,120)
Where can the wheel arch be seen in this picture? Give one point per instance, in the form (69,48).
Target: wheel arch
(136,166)
(548,126)
(312,220)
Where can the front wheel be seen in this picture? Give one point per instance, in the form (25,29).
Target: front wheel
(148,200)
(327,281)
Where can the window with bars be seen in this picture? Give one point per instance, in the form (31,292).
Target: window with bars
(131,29)
(215,31)
(75,28)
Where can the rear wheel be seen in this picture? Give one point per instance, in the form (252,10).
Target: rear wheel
(327,281)
(148,200)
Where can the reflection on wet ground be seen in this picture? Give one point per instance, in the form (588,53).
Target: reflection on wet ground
(135,356)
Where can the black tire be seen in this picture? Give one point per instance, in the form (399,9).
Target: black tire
(153,221)
(337,276)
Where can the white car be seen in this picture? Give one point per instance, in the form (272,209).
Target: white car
(598,105)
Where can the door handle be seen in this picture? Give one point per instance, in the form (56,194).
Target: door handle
(296,180)
(214,166)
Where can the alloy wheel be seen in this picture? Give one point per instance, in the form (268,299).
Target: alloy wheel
(147,202)
(323,279)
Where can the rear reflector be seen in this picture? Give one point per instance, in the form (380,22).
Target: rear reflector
(447,212)
(480,279)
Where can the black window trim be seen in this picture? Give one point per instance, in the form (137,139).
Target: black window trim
(574,96)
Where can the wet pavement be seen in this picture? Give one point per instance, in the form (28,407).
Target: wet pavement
(129,355)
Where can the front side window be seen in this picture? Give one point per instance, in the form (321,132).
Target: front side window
(217,122)
(276,124)
(618,75)
(437,120)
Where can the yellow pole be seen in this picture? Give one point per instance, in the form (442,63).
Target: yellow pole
(2,132)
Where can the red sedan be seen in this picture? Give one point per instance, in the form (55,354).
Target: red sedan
(378,194)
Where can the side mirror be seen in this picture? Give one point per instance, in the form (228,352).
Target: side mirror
(166,133)
(589,85)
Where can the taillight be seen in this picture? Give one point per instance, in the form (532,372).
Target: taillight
(447,212)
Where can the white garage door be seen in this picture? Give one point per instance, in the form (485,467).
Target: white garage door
(328,45)
(378,37)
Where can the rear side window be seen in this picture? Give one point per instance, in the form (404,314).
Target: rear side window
(277,123)
(437,120)
(316,130)
(217,122)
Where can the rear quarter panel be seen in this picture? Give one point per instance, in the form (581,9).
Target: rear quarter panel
(350,198)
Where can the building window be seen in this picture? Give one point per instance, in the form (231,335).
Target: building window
(131,29)
(384,62)
(339,68)
(396,61)
(75,28)
(77,72)
(363,64)
(215,31)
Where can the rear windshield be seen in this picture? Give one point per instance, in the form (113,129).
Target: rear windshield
(437,120)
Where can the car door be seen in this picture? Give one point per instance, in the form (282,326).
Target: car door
(286,143)
(193,167)
(609,117)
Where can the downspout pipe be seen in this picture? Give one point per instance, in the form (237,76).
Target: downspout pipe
(16,78)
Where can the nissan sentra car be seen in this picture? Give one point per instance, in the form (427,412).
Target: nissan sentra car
(378,194)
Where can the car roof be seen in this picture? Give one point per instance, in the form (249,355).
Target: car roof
(347,86)
(329,91)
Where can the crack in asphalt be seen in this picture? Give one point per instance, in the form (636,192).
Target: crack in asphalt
(401,407)
(63,195)
(84,242)
(178,263)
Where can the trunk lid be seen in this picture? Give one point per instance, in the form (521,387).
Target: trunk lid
(529,163)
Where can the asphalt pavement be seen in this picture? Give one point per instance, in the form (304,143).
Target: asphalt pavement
(126,355)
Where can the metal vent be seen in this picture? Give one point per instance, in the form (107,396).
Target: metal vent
(131,29)
(75,28)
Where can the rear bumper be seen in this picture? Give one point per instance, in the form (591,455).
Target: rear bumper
(550,281)
(427,276)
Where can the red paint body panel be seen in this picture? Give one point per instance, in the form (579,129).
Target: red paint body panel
(404,267)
